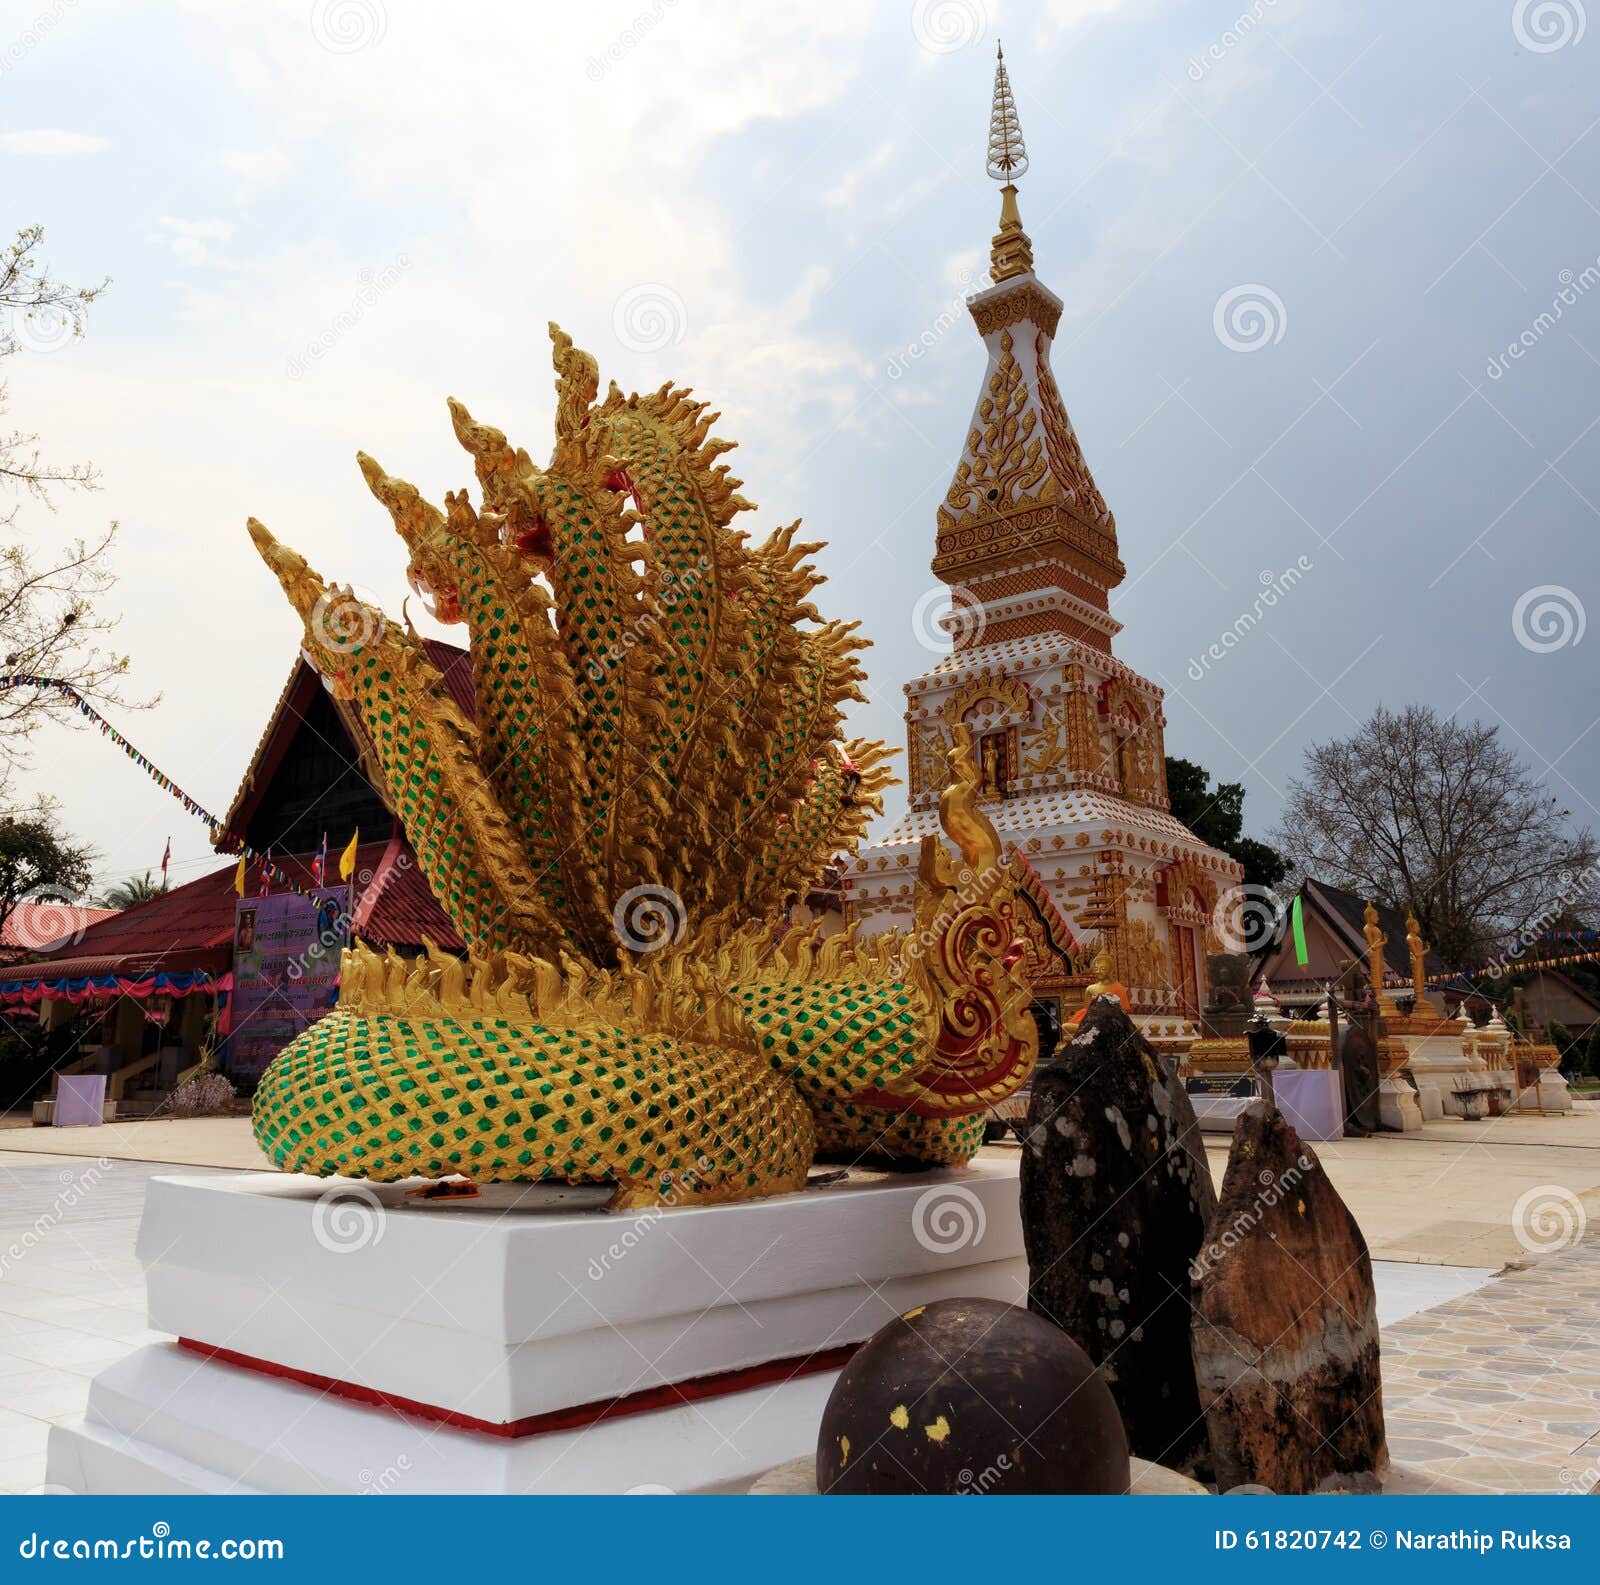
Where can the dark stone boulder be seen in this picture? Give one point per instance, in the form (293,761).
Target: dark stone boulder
(1116,1199)
(1286,1324)
(971,1396)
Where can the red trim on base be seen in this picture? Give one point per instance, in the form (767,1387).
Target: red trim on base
(576,1418)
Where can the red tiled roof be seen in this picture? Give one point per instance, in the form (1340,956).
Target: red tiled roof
(397,907)
(456,664)
(191,926)
(32,927)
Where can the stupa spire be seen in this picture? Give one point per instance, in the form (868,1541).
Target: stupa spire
(1011,253)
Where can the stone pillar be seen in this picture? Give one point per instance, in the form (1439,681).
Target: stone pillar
(1397,1105)
(1552,1094)
(1084,753)
(1442,1071)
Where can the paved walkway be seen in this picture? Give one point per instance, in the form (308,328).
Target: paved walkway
(175,1141)
(1500,1390)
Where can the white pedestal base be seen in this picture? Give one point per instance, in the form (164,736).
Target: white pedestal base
(1550,1094)
(1444,1076)
(1217,1114)
(1397,1106)
(481,1341)
(166,1422)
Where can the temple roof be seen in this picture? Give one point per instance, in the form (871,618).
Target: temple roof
(34,927)
(191,926)
(1010,655)
(1027,815)
(290,712)
(1344,913)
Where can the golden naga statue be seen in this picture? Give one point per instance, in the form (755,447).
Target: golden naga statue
(654,771)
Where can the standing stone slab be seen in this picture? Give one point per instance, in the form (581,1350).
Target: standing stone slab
(1286,1324)
(1116,1198)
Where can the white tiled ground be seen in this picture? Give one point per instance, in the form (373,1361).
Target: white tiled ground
(71,1295)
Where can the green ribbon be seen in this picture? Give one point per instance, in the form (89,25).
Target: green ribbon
(1297,919)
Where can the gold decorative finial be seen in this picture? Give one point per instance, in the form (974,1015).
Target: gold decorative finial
(1008,154)
(1011,253)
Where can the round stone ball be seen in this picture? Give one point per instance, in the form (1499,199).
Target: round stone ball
(971,1396)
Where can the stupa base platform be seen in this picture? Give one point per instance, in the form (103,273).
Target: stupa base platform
(336,1337)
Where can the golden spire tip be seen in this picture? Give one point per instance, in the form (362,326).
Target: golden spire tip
(1011,253)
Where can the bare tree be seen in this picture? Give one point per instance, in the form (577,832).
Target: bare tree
(51,620)
(1439,817)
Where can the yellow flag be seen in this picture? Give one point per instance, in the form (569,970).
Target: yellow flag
(347,859)
(238,877)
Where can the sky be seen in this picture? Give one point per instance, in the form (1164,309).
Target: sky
(1328,326)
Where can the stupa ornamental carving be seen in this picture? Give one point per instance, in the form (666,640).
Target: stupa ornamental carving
(1069,740)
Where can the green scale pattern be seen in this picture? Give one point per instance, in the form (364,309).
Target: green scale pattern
(678,539)
(385,1097)
(591,624)
(511,719)
(449,855)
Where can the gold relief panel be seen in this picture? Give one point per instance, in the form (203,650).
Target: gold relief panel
(1027,531)
(1029,301)
(1009,696)
(1066,455)
(927,759)
(1008,457)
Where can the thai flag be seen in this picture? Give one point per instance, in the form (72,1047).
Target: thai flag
(166,859)
(319,865)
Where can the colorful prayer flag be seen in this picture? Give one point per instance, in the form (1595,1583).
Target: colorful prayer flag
(347,859)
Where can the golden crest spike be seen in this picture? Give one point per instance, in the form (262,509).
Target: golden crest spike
(577,382)
(1008,154)
(303,586)
(1011,252)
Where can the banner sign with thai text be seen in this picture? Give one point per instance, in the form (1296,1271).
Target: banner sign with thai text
(285,972)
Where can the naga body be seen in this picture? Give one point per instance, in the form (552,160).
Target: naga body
(653,773)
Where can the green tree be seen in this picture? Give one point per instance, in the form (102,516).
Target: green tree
(1216,816)
(39,862)
(1592,1065)
(131,892)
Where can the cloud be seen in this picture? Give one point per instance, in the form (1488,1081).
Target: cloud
(51,143)
(255,169)
(1065,15)
(848,190)
(191,239)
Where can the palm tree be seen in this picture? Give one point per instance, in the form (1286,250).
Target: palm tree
(133,891)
